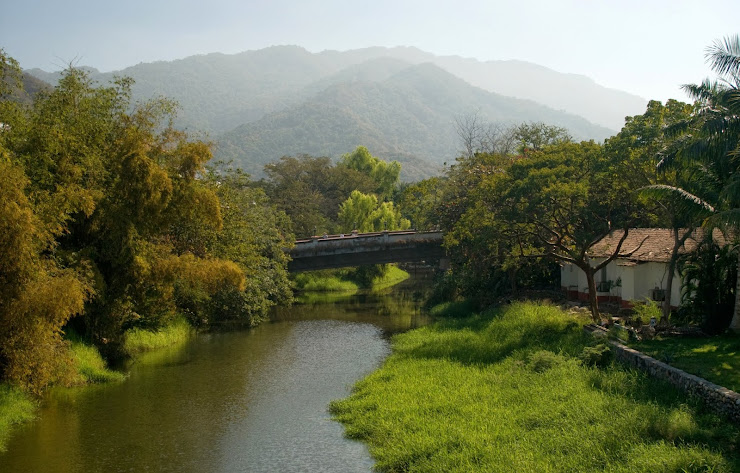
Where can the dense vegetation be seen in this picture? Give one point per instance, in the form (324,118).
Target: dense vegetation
(111,222)
(519,389)
(525,198)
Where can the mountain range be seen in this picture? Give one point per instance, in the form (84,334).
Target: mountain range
(401,103)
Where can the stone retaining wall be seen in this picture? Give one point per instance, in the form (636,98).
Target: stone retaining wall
(722,400)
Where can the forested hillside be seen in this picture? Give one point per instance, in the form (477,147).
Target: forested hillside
(284,100)
(409,115)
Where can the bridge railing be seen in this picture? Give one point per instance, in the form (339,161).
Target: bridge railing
(340,236)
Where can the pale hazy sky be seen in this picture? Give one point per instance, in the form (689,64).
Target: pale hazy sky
(646,47)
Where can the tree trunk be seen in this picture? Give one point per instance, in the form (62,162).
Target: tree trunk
(671,271)
(514,287)
(592,300)
(735,323)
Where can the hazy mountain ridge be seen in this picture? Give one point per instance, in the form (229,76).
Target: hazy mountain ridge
(399,102)
(410,114)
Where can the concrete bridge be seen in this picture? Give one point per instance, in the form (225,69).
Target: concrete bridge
(356,249)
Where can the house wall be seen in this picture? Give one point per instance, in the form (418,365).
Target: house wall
(651,275)
(637,282)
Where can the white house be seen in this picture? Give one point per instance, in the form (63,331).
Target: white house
(640,276)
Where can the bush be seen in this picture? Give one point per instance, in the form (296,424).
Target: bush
(600,355)
(542,360)
(643,311)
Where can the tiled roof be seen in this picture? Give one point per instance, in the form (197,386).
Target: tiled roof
(653,244)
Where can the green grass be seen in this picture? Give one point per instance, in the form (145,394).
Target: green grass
(504,391)
(140,340)
(340,280)
(90,366)
(15,407)
(716,359)
(393,276)
(323,282)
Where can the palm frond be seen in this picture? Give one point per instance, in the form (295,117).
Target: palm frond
(724,56)
(728,219)
(701,92)
(691,203)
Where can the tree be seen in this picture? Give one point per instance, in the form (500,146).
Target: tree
(385,174)
(363,212)
(418,202)
(535,136)
(638,146)
(563,200)
(309,190)
(477,136)
(711,137)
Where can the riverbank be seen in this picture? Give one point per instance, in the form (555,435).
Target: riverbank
(86,367)
(346,280)
(506,390)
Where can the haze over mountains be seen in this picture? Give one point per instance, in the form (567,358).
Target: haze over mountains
(399,102)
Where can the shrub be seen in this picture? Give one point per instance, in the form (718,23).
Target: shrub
(600,355)
(643,311)
(542,360)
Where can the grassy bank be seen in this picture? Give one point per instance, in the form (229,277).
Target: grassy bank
(344,280)
(506,391)
(139,341)
(716,359)
(325,281)
(87,367)
(16,407)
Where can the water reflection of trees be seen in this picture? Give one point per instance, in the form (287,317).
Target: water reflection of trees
(393,309)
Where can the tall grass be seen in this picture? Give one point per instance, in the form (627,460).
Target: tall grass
(139,340)
(15,407)
(322,281)
(392,276)
(504,391)
(342,280)
(90,366)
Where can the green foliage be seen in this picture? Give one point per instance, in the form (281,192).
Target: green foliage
(325,281)
(599,355)
(643,311)
(107,213)
(384,174)
(363,212)
(349,280)
(309,190)
(418,202)
(535,136)
(90,366)
(140,340)
(543,360)
(481,236)
(449,309)
(389,277)
(708,291)
(429,407)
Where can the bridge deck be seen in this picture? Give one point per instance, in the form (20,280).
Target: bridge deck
(355,249)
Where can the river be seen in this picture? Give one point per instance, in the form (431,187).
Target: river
(240,401)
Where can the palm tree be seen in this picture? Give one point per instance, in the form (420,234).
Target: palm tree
(711,138)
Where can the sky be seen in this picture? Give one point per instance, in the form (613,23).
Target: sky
(647,47)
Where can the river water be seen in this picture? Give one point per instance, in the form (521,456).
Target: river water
(243,401)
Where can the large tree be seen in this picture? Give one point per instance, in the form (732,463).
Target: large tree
(638,147)
(564,199)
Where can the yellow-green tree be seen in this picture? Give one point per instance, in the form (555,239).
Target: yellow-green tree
(364,213)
